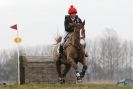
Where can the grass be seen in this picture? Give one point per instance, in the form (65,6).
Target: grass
(65,86)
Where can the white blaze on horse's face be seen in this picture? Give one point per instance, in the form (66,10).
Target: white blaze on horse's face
(82,41)
(81,33)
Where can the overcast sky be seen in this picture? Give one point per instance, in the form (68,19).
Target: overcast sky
(39,20)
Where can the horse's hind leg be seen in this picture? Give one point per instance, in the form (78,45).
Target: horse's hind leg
(63,75)
(58,68)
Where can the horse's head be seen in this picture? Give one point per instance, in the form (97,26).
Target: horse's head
(79,30)
(79,33)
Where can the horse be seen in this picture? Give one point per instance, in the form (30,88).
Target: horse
(74,52)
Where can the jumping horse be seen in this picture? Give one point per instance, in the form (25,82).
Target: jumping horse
(74,52)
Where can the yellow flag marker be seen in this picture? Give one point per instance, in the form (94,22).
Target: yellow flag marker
(17,40)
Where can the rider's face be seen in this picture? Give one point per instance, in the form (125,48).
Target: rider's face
(73,15)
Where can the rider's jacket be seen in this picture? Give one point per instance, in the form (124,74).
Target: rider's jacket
(69,28)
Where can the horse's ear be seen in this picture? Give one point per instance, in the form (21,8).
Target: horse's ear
(83,22)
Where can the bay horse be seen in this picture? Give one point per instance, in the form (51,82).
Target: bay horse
(74,52)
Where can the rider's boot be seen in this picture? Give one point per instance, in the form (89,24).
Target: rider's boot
(61,50)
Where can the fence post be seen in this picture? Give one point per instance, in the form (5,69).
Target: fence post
(22,69)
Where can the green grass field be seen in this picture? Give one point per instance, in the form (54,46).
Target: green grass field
(65,86)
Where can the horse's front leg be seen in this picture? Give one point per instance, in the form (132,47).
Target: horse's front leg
(74,65)
(65,71)
(84,63)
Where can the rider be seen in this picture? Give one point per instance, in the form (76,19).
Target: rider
(69,19)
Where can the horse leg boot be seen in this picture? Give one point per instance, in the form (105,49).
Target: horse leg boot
(84,69)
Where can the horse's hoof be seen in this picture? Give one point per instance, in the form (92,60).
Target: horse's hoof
(79,79)
(62,81)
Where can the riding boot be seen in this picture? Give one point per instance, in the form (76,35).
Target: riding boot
(61,49)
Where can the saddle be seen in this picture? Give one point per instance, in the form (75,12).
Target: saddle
(66,39)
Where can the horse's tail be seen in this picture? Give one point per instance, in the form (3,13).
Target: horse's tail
(58,39)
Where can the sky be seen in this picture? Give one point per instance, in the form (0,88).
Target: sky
(39,21)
